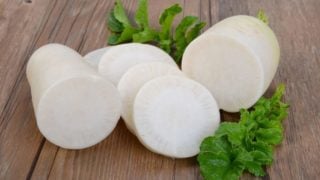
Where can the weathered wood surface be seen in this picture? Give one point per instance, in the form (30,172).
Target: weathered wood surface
(25,25)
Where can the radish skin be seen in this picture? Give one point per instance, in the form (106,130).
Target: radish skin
(236,59)
(75,108)
(93,57)
(132,81)
(116,61)
(173,114)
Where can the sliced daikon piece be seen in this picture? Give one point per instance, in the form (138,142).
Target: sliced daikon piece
(74,106)
(173,114)
(116,61)
(134,79)
(93,57)
(235,59)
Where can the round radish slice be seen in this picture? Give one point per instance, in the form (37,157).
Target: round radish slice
(115,62)
(235,59)
(172,115)
(93,57)
(134,79)
(75,107)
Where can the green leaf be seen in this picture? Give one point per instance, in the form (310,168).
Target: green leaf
(234,132)
(195,31)
(113,39)
(262,16)
(166,20)
(120,13)
(124,31)
(246,145)
(255,168)
(180,37)
(125,36)
(216,162)
(145,36)
(271,135)
(166,45)
(141,16)
(113,24)
(183,26)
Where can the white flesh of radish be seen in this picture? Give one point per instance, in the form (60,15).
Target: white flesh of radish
(134,79)
(172,115)
(235,59)
(116,61)
(75,107)
(93,57)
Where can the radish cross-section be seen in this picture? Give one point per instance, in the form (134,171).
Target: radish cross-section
(75,107)
(173,114)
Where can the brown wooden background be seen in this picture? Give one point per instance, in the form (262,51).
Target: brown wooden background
(26,25)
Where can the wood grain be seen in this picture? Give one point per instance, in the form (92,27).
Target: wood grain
(25,25)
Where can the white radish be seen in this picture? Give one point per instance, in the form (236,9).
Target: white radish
(116,61)
(173,114)
(93,57)
(134,79)
(236,60)
(75,107)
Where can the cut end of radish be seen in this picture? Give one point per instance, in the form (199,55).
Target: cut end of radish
(79,112)
(134,79)
(172,115)
(93,57)
(116,61)
(231,72)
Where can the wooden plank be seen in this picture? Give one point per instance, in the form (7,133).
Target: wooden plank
(298,33)
(20,26)
(81,25)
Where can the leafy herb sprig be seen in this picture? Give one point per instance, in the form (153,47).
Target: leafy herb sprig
(246,145)
(174,43)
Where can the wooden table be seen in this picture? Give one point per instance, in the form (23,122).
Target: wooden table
(26,25)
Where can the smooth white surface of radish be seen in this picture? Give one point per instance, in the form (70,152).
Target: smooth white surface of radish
(236,59)
(116,61)
(75,107)
(93,57)
(172,115)
(134,79)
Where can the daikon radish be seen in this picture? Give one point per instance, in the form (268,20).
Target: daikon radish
(173,114)
(134,79)
(93,57)
(235,59)
(116,61)
(75,107)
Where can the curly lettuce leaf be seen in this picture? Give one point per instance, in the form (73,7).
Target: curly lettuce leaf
(246,145)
